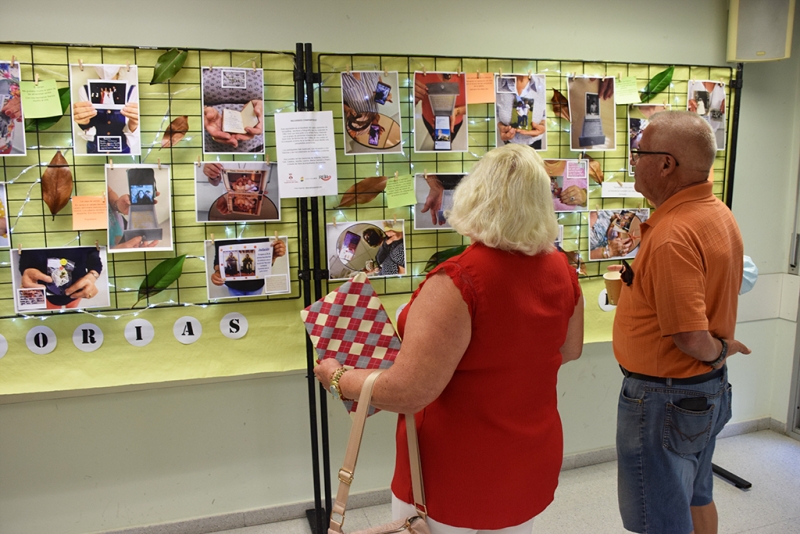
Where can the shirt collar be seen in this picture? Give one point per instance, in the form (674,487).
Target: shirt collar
(690,194)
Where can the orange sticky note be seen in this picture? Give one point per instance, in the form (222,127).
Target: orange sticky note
(480,88)
(89,213)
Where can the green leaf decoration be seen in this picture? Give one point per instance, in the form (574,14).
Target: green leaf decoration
(32,125)
(658,83)
(168,65)
(161,277)
(442,256)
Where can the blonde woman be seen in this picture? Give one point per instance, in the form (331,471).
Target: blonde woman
(483,339)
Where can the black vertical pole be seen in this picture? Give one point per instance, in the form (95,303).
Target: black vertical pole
(319,274)
(737,102)
(315,515)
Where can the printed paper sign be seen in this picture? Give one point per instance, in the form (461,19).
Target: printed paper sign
(620,190)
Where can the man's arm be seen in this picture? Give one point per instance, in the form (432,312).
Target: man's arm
(701,345)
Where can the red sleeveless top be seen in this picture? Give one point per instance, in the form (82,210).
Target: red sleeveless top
(491,444)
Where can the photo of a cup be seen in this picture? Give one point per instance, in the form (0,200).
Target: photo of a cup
(613,280)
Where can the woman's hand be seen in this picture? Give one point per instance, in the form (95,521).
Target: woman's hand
(83,288)
(324,371)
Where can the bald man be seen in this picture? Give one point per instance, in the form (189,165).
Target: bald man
(673,331)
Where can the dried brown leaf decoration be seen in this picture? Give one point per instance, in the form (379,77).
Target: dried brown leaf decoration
(363,191)
(175,131)
(560,105)
(595,169)
(57,184)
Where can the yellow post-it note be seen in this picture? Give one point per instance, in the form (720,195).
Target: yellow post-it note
(625,91)
(480,88)
(400,192)
(40,101)
(89,213)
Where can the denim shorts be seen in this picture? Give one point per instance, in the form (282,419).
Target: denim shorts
(664,452)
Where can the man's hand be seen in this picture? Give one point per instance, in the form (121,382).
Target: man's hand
(131,112)
(278,249)
(258,109)
(420,90)
(434,200)
(32,277)
(83,288)
(216,278)
(507,133)
(214,173)
(620,246)
(82,112)
(212,122)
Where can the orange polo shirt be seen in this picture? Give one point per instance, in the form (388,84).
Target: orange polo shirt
(687,276)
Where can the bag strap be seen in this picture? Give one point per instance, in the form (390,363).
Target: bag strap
(347,472)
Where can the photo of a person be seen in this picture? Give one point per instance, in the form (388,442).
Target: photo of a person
(520,107)
(593,113)
(71,278)
(237,191)
(105,109)
(233,116)
(5,235)
(569,183)
(246,265)
(139,208)
(638,119)
(371,112)
(434,194)
(615,234)
(440,103)
(707,99)
(376,248)
(12,119)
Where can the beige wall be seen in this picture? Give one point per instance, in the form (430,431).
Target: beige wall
(133,458)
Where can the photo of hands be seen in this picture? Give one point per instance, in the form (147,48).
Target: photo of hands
(520,107)
(105,109)
(569,183)
(376,248)
(707,99)
(233,110)
(615,234)
(371,112)
(5,228)
(59,278)
(139,208)
(434,193)
(593,112)
(237,191)
(440,112)
(12,120)
(246,267)
(638,119)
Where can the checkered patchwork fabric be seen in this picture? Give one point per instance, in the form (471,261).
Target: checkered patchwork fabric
(351,325)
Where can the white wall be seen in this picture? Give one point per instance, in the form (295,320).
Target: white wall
(133,458)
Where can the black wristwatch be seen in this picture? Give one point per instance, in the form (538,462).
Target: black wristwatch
(722,355)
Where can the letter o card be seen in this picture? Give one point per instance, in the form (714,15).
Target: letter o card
(233,326)
(88,337)
(41,340)
(187,330)
(139,332)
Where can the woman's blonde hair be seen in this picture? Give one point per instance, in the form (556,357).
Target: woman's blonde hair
(505,202)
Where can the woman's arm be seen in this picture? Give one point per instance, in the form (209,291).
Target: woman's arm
(573,346)
(438,332)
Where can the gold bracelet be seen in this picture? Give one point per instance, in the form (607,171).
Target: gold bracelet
(335,389)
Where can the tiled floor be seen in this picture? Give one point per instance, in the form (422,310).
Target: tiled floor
(586,500)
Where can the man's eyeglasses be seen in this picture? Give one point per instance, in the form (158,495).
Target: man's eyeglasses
(636,154)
